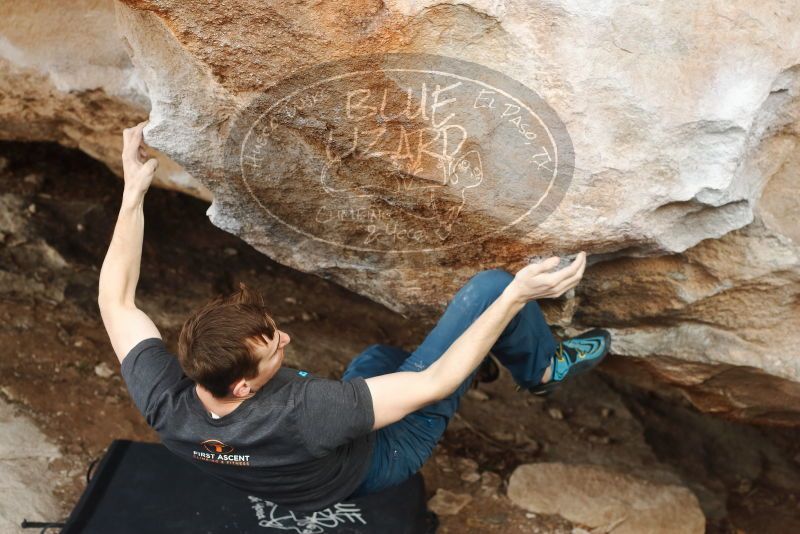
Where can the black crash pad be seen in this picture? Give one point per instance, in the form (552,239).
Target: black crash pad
(142,487)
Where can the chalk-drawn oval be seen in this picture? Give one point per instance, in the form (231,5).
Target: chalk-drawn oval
(401,153)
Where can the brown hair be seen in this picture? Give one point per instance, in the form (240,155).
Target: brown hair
(212,347)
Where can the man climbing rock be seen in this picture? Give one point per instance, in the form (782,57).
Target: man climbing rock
(228,405)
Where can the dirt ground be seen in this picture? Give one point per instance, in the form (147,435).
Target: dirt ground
(58,366)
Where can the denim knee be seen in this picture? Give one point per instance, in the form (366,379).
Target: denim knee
(377,359)
(488,284)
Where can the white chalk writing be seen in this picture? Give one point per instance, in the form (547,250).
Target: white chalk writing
(270,515)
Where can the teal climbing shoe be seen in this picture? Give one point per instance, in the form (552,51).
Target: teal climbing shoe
(575,356)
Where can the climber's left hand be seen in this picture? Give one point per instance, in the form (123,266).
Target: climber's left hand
(138,170)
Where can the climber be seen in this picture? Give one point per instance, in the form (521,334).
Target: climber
(229,406)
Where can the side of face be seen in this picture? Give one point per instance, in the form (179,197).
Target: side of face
(271,354)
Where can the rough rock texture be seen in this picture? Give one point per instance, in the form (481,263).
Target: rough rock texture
(26,482)
(735,299)
(446,502)
(675,139)
(65,76)
(605,500)
(741,393)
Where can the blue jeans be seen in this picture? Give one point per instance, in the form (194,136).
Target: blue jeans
(524,348)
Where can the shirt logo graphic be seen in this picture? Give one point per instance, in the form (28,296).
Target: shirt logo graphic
(302,373)
(215,445)
(217,452)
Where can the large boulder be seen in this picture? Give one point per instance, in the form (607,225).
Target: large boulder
(605,500)
(398,147)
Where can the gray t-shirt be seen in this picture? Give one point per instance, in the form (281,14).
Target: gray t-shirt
(301,441)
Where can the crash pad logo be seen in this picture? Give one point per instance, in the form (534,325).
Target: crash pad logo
(271,515)
(219,453)
(400,153)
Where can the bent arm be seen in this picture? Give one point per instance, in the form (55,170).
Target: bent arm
(468,351)
(395,395)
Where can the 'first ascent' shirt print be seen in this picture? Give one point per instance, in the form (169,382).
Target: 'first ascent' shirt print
(301,441)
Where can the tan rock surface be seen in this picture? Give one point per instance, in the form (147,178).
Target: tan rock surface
(445,502)
(26,477)
(605,500)
(65,76)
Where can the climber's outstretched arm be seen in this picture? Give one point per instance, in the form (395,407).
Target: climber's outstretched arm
(394,395)
(127,325)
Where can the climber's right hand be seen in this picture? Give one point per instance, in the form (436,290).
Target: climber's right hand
(137,168)
(534,281)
